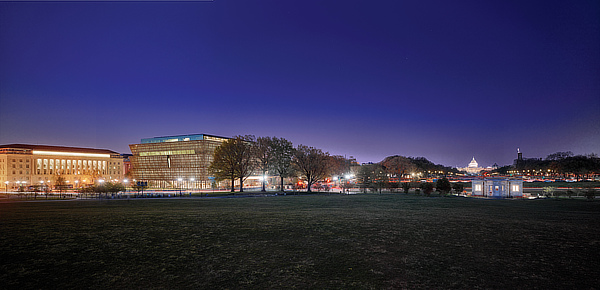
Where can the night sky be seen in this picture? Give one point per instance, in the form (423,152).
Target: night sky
(447,80)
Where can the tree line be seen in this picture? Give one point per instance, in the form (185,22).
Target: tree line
(242,156)
(238,158)
(558,164)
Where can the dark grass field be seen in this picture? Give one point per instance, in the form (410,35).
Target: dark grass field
(319,241)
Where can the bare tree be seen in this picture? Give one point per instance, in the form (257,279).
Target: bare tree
(234,158)
(264,156)
(372,176)
(338,165)
(311,164)
(245,156)
(223,166)
(398,166)
(282,152)
(60,184)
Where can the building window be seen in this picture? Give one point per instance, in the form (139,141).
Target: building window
(477,187)
(515,188)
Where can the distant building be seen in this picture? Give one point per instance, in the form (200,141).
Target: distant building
(174,161)
(473,168)
(497,187)
(32,165)
(126,164)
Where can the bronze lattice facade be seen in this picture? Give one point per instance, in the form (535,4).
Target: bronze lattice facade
(174,161)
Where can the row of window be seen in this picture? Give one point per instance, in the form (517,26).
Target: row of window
(15,166)
(514,187)
(66,166)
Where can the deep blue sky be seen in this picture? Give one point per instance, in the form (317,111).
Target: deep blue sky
(447,80)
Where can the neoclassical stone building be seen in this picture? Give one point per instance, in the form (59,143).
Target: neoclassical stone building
(473,168)
(28,165)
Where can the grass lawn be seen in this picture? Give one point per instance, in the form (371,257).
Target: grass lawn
(307,241)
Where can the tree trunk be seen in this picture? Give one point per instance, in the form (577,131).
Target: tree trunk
(241,184)
(281,183)
(232,184)
(309,185)
(263,182)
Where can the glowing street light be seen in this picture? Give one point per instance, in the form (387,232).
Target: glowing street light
(179,184)
(6,182)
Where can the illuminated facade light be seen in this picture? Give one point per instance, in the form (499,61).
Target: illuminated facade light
(40,164)
(160,161)
(35,152)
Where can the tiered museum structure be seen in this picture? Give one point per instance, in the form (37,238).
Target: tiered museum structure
(174,161)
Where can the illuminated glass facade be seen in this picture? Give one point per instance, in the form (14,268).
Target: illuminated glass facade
(174,161)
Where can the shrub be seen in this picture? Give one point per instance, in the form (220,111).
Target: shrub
(590,193)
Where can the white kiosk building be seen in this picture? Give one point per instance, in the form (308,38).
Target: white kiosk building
(497,187)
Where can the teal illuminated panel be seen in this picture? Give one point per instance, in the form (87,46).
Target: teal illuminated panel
(173,138)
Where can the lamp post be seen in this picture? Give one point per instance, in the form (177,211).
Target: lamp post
(18,187)
(179,185)
(6,182)
(101,181)
(125,181)
(191,185)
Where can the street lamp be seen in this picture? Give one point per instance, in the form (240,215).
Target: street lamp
(191,185)
(179,185)
(6,182)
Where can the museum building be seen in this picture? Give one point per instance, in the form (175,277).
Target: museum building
(174,161)
(24,165)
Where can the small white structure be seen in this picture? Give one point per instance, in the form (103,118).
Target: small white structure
(497,187)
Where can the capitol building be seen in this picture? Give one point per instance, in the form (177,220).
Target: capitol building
(473,168)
